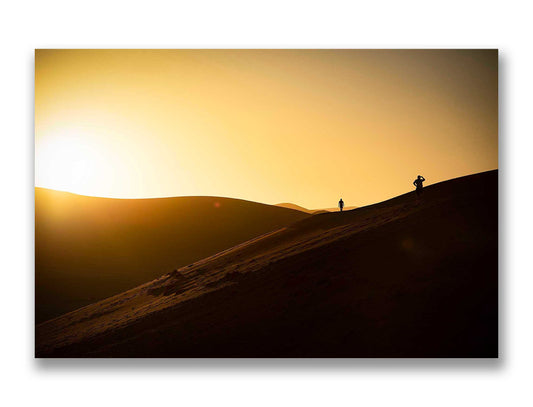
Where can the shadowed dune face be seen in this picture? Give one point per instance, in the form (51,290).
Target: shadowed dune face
(87,248)
(403,278)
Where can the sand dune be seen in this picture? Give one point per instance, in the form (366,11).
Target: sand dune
(312,211)
(402,278)
(87,249)
(295,207)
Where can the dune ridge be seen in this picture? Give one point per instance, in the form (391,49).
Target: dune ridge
(402,278)
(90,248)
(312,211)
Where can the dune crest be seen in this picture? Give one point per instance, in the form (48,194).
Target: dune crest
(312,211)
(89,248)
(402,278)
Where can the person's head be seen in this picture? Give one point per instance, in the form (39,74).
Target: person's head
(419,176)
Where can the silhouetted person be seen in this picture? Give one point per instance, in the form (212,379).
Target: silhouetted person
(341,204)
(418,184)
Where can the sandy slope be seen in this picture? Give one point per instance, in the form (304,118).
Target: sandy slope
(87,249)
(403,278)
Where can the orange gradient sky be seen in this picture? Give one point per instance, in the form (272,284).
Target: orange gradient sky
(300,126)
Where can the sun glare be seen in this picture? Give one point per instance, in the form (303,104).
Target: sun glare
(300,126)
(69,162)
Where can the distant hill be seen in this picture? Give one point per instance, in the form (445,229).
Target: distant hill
(295,207)
(312,211)
(346,208)
(89,248)
(407,277)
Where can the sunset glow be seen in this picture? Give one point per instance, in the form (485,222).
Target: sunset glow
(306,126)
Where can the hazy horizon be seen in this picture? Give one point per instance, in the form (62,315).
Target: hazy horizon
(271,126)
(230,197)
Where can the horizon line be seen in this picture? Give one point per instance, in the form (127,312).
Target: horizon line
(241,199)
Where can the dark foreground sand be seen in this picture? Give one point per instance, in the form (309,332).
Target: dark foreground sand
(403,278)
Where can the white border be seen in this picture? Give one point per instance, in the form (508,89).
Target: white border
(245,24)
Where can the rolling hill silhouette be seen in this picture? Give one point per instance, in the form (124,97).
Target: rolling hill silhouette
(312,211)
(402,278)
(89,248)
(295,207)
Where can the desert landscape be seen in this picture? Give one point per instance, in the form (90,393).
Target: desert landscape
(88,248)
(407,277)
(256,203)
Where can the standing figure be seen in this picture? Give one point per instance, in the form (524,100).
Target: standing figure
(341,204)
(418,184)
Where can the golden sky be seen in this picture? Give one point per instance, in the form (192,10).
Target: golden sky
(300,126)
